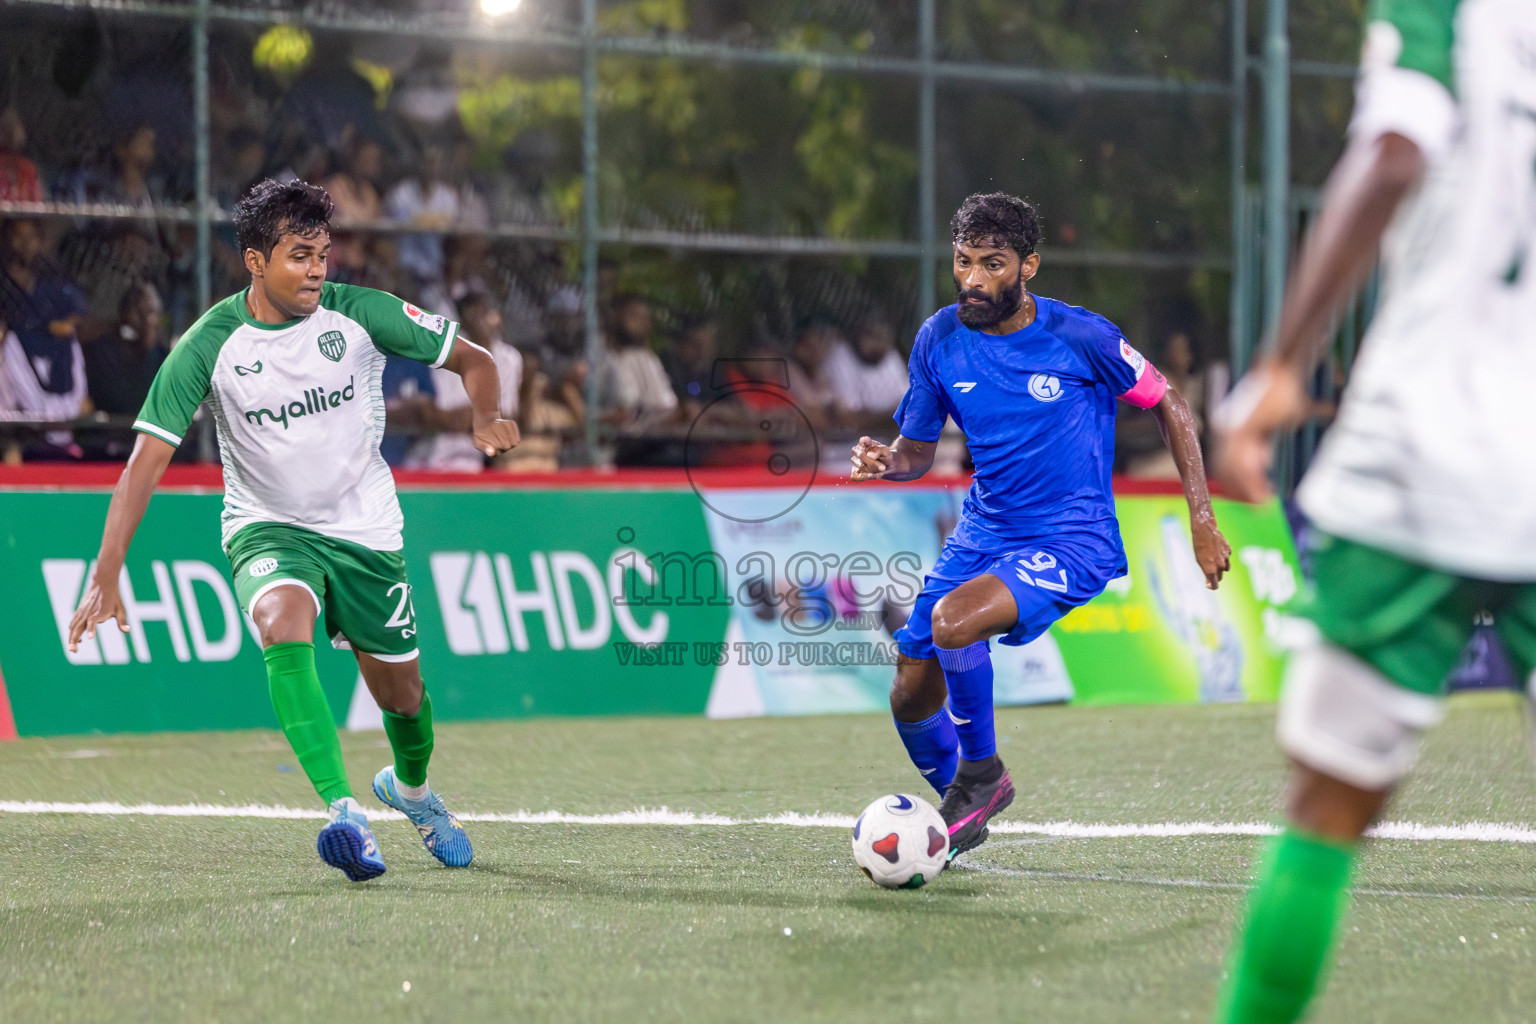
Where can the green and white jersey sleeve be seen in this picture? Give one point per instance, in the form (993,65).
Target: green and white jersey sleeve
(299,408)
(1406,83)
(396,326)
(183,380)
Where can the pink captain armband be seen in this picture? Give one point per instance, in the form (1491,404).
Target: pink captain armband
(1149,390)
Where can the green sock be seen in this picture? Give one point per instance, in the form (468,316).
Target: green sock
(305,716)
(1300,896)
(411,740)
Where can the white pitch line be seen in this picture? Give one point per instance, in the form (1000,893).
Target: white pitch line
(1473,832)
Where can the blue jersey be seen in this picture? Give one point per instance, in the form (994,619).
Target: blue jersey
(1038,410)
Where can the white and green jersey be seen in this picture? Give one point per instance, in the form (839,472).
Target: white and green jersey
(299,408)
(1432,456)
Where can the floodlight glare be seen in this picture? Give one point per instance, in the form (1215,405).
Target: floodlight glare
(496,8)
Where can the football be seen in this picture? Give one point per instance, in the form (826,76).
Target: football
(900,842)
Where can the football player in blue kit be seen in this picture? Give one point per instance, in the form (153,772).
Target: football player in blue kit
(1032,383)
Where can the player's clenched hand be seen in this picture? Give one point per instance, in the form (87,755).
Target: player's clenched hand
(1212,551)
(1269,399)
(871,460)
(97,606)
(496,436)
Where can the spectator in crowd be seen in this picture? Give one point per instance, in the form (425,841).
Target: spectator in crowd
(129,180)
(1179,360)
(120,365)
(632,386)
(44,366)
(465,270)
(474,212)
(18,176)
(354,188)
(808,383)
(691,364)
(453,449)
(427,202)
(238,163)
(410,405)
(868,377)
(565,337)
(550,413)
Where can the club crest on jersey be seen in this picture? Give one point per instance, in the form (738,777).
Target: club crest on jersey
(1130,355)
(1044,387)
(431,321)
(333,346)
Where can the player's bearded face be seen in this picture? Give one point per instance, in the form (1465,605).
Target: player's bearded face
(980,308)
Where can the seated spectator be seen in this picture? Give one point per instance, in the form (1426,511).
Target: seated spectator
(354,188)
(44,366)
(238,163)
(474,211)
(868,377)
(120,366)
(18,175)
(465,270)
(429,203)
(410,402)
(129,179)
(691,365)
(453,450)
(632,386)
(550,413)
(808,383)
(1146,455)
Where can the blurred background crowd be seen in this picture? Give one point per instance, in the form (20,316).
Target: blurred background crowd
(456,172)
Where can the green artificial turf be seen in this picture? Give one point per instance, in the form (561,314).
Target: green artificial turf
(159,918)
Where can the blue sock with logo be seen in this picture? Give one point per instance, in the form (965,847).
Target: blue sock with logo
(933,747)
(968,673)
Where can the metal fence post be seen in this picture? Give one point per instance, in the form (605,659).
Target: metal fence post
(1240,345)
(1277,171)
(589,218)
(927,144)
(207,446)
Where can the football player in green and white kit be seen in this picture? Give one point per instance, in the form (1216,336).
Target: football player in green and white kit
(1425,488)
(290,368)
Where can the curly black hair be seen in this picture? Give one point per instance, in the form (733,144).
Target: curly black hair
(997,218)
(272,209)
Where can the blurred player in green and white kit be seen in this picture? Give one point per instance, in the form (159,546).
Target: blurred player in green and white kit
(290,368)
(1425,488)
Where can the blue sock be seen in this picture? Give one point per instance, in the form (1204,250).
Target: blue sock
(968,673)
(933,747)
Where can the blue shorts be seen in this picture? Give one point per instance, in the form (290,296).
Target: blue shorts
(1046,582)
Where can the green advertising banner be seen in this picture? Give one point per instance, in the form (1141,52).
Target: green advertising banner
(624,601)
(1157,635)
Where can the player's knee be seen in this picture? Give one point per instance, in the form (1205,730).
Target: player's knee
(1341,717)
(952,626)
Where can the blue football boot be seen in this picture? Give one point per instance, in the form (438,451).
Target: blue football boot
(440,831)
(348,844)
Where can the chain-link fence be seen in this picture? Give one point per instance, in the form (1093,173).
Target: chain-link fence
(767,179)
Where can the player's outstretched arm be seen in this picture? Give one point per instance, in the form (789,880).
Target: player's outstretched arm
(1183,439)
(1363,194)
(493,434)
(905,460)
(129,500)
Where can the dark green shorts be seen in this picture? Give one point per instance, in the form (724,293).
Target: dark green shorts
(363,593)
(1410,621)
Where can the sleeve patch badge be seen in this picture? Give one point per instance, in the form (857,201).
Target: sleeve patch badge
(1130,355)
(430,321)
